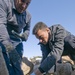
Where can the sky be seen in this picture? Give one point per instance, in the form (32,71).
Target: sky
(50,12)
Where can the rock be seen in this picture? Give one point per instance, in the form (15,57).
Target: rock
(26,66)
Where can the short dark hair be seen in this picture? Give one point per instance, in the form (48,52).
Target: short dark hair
(39,26)
(24,0)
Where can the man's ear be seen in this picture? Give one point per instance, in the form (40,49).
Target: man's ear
(48,30)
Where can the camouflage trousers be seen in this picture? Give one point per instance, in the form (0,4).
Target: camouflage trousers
(63,69)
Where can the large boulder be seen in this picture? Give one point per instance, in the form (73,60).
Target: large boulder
(26,66)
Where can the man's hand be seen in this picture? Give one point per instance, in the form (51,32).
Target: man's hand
(14,56)
(21,36)
(67,59)
(36,72)
(8,46)
(12,53)
(33,73)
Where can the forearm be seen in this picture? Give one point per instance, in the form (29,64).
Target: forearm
(26,31)
(4,36)
(47,64)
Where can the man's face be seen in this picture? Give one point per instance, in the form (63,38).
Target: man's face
(43,36)
(21,5)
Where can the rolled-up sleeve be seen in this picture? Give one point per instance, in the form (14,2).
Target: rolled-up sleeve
(56,51)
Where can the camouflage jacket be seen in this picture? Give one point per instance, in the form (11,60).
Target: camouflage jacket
(10,20)
(59,44)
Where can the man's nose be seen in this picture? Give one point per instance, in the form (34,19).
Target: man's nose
(40,41)
(24,5)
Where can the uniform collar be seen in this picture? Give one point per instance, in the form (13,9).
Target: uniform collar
(50,35)
(13,5)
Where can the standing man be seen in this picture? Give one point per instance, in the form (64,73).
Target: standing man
(55,41)
(14,17)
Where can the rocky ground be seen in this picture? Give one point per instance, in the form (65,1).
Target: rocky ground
(61,69)
(29,66)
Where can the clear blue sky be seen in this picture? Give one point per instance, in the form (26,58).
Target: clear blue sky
(50,12)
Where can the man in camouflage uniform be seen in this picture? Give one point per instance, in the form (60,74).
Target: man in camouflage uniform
(14,17)
(55,41)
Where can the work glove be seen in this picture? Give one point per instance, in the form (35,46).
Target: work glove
(8,46)
(22,36)
(12,53)
(14,56)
